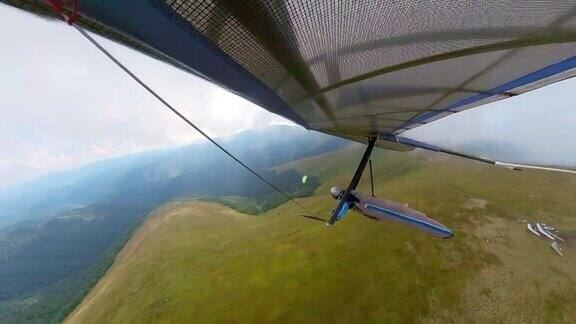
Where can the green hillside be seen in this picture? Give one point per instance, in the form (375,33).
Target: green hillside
(203,262)
(60,233)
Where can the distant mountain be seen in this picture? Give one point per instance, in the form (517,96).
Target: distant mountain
(151,178)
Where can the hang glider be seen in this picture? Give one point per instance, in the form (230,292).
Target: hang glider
(367,71)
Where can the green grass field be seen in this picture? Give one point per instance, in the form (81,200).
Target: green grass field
(203,262)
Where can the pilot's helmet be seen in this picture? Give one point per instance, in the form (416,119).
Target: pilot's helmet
(335,192)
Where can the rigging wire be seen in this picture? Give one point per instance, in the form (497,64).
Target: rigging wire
(175,111)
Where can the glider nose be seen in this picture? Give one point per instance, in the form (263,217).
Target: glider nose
(335,192)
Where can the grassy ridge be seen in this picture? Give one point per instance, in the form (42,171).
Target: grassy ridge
(204,262)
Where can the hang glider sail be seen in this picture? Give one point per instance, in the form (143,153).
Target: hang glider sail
(347,68)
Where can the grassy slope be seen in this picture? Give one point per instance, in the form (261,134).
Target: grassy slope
(205,262)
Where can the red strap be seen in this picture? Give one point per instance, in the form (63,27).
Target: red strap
(59,7)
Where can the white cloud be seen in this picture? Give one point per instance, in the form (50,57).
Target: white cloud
(540,123)
(63,103)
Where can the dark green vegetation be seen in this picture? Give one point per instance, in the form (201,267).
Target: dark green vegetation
(53,302)
(23,271)
(203,262)
(291,183)
(61,232)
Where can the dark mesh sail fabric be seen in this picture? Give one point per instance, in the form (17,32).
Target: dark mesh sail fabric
(361,68)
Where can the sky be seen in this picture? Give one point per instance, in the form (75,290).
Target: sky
(63,104)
